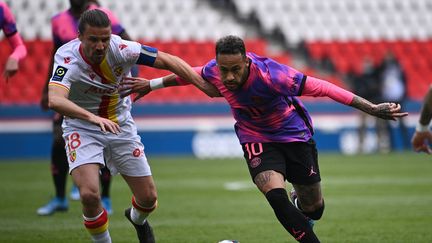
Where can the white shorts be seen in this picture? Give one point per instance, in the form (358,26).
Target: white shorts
(122,153)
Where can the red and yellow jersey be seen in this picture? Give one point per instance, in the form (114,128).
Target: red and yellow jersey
(95,87)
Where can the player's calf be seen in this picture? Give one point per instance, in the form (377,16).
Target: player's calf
(316,214)
(291,218)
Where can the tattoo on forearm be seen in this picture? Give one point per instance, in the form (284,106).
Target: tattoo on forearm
(263,178)
(382,110)
(361,104)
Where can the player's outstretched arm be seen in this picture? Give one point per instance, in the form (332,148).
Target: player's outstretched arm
(58,101)
(386,111)
(317,87)
(142,86)
(184,71)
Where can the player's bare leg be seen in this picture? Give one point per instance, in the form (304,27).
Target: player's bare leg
(86,177)
(309,200)
(144,201)
(272,185)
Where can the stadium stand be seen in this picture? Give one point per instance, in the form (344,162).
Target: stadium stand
(346,31)
(342,30)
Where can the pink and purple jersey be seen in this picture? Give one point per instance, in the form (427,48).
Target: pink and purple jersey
(265,107)
(7,20)
(65,26)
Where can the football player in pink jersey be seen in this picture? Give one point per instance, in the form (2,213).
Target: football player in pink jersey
(64,29)
(273,126)
(7,23)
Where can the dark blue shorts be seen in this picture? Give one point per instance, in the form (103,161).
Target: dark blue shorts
(296,161)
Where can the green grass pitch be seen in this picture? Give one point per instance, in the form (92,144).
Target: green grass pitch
(369,198)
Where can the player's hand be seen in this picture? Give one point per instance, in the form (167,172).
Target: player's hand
(388,111)
(134,85)
(106,125)
(421,140)
(11,68)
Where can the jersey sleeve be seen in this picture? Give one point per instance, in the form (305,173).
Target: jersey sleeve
(7,20)
(320,88)
(62,72)
(132,52)
(284,79)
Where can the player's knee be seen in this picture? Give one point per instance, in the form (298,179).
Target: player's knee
(316,213)
(89,198)
(146,205)
(148,200)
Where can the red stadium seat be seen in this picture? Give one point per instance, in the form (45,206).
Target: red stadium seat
(415,56)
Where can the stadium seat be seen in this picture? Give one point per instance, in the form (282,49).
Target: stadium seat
(357,28)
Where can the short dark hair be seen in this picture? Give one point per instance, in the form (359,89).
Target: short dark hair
(94,18)
(230,44)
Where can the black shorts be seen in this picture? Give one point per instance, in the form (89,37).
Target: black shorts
(296,161)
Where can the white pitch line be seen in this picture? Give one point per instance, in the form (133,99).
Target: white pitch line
(239,185)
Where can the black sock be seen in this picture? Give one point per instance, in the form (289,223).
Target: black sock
(59,167)
(105,179)
(290,217)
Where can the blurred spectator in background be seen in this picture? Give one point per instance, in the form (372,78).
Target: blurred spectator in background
(64,29)
(7,23)
(393,89)
(422,137)
(367,84)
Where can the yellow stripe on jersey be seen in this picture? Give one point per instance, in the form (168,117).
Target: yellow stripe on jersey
(112,111)
(107,72)
(110,101)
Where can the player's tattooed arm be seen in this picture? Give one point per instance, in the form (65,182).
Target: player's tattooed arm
(387,110)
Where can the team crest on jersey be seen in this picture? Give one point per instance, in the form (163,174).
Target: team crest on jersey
(255,162)
(122,46)
(59,73)
(118,71)
(72,156)
(67,60)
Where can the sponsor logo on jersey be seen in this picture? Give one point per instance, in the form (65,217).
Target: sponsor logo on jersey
(297,80)
(96,90)
(59,73)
